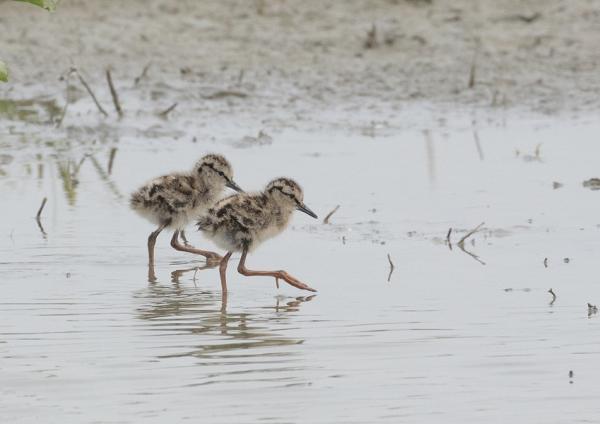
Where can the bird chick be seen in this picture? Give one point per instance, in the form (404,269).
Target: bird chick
(174,200)
(242,221)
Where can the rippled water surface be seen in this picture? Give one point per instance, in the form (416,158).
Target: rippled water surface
(453,336)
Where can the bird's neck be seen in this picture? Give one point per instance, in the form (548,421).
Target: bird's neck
(208,191)
(280,214)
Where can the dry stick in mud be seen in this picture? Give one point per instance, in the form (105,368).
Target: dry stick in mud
(448,238)
(38,216)
(326,220)
(64,111)
(113,93)
(39,212)
(391,267)
(472,74)
(142,75)
(371,41)
(168,110)
(111,159)
(553,296)
(461,243)
(225,93)
(89,90)
(473,70)
(478,145)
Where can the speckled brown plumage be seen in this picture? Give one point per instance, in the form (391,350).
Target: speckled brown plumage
(242,221)
(174,200)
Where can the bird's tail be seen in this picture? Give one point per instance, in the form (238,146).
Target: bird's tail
(136,201)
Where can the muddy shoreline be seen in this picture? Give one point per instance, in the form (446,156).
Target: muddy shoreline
(538,56)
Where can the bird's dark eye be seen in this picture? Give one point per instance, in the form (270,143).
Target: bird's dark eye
(217,171)
(290,195)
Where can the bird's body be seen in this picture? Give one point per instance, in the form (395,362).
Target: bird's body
(244,220)
(241,222)
(174,200)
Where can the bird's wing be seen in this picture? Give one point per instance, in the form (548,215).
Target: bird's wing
(246,210)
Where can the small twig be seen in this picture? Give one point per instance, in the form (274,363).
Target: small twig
(225,93)
(64,111)
(371,41)
(472,74)
(89,90)
(113,93)
(111,159)
(553,296)
(326,220)
(39,213)
(142,75)
(473,255)
(448,238)
(168,110)
(473,70)
(461,243)
(478,145)
(524,18)
(391,267)
(38,216)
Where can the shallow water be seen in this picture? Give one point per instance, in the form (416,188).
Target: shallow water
(452,337)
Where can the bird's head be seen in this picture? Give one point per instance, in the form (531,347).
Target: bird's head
(288,194)
(215,171)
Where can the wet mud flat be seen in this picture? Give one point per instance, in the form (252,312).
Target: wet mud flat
(458,331)
(462,333)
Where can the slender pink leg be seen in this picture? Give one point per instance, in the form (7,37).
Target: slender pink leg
(277,274)
(151,242)
(211,257)
(183,237)
(223,271)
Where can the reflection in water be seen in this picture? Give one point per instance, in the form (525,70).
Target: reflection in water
(38,110)
(105,177)
(249,336)
(478,145)
(175,275)
(429,147)
(69,172)
(178,273)
(41,227)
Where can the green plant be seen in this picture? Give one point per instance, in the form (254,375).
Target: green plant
(49,5)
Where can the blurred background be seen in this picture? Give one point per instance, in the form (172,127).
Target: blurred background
(453,142)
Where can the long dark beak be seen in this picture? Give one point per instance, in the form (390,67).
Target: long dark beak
(302,207)
(234,186)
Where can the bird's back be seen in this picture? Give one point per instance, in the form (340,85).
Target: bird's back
(171,199)
(237,221)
